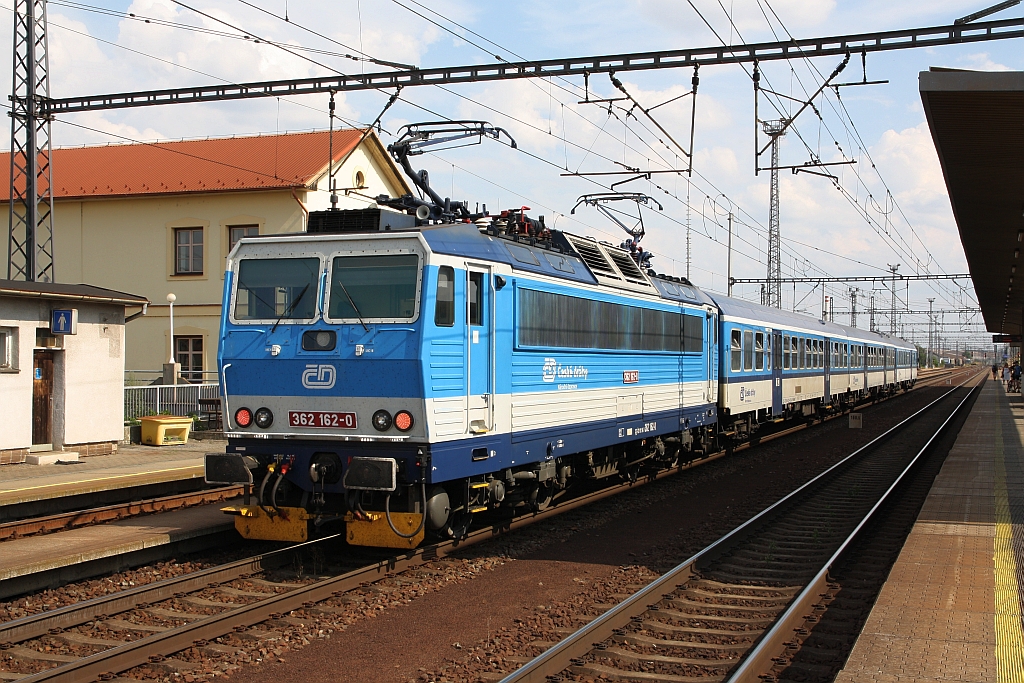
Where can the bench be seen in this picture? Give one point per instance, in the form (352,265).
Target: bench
(210,413)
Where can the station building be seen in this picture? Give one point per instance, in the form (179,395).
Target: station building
(160,218)
(61,368)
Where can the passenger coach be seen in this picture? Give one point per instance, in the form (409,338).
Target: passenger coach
(778,364)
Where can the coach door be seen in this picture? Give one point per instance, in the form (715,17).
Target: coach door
(776,373)
(827,363)
(480,348)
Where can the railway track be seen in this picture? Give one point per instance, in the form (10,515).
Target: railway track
(111,513)
(749,606)
(155,621)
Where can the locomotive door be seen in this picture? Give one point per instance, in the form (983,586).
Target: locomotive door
(776,373)
(713,360)
(480,348)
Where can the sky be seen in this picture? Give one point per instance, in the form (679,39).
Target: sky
(889,207)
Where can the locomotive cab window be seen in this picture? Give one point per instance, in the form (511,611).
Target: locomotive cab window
(374,287)
(444,306)
(276,288)
(736,351)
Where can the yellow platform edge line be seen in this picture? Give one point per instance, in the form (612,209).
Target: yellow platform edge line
(89,481)
(1009,636)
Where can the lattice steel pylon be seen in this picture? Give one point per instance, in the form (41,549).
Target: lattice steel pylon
(30,244)
(774,129)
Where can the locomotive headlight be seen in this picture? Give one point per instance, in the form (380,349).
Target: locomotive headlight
(243,417)
(381,420)
(264,418)
(403,420)
(319,340)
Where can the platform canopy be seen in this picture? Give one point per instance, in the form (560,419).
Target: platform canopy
(977,123)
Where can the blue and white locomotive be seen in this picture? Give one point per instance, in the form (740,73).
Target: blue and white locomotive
(399,373)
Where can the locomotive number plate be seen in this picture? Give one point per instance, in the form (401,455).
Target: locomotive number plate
(321,419)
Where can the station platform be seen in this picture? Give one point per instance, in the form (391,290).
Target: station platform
(38,562)
(951,607)
(28,490)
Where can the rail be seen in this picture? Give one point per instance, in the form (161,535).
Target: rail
(122,657)
(110,513)
(175,399)
(764,635)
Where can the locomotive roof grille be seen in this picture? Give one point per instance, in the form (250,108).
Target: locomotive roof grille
(593,257)
(627,266)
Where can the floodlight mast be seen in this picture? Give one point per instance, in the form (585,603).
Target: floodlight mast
(30,240)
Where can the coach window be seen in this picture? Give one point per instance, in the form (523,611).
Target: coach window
(759,351)
(795,352)
(444,309)
(819,355)
(768,351)
(785,352)
(736,351)
(748,350)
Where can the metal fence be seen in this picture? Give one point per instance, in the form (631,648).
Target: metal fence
(174,399)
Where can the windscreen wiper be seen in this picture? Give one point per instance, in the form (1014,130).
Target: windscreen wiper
(290,308)
(353,305)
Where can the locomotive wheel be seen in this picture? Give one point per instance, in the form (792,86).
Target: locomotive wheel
(540,497)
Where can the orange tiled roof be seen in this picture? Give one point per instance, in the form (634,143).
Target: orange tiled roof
(291,160)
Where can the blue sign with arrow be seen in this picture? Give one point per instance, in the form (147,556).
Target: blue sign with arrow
(64,321)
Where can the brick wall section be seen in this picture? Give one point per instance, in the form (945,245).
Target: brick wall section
(87,449)
(13,456)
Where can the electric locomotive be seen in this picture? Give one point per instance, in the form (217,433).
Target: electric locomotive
(401,369)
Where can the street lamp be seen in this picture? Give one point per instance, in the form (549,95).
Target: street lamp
(170,300)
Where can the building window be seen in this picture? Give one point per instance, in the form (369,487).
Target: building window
(188,251)
(8,352)
(189,352)
(237,232)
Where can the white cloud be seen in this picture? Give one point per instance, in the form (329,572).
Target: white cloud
(981,62)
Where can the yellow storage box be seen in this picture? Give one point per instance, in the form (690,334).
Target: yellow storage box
(165,430)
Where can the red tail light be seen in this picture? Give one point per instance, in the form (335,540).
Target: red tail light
(243,417)
(403,420)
